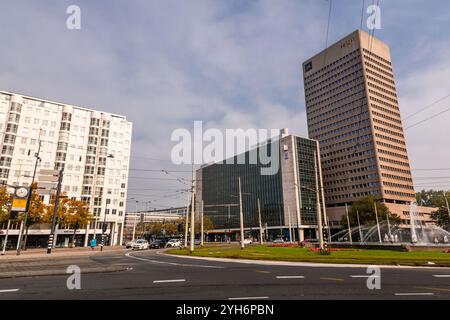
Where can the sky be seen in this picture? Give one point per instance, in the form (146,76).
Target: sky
(229,63)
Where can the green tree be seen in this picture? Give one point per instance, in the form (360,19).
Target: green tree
(441,218)
(365,208)
(432,198)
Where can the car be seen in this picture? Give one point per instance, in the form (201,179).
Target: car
(157,244)
(173,243)
(130,244)
(248,241)
(141,245)
(278,240)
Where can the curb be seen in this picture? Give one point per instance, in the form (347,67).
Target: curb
(303,264)
(60,272)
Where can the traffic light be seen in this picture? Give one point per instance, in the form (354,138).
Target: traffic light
(104,227)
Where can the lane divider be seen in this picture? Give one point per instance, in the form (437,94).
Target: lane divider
(169,281)
(9,290)
(172,263)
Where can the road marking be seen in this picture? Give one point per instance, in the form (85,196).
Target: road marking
(249,298)
(290,277)
(9,290)
(415,294)
(441,275)
(435,289)
(172,263)
(364,276)
(263,271)
(168,281)
(332,279)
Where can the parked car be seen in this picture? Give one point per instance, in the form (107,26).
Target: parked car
(141,245)
(157,244)
(248,241)
(130,244)
(173,243)
(278,240)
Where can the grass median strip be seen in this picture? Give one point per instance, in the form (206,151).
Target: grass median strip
(297,254)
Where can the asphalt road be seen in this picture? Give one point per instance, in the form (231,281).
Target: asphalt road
(153,275)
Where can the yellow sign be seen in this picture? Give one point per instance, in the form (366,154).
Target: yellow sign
(19,205)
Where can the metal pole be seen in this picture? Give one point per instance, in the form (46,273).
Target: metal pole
(298,217)
(30,194)
(448,207)
(261,241)
(186,227)
(389,227)
(378,224)
(359,227)
(290,225)
(229,228)
(55,212)
(319,213)
(20,231)
(134,230)
(241,215)
(192,212)
(6,237)
(348,224)
(202,226)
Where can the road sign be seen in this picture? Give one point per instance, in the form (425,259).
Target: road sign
(19,203)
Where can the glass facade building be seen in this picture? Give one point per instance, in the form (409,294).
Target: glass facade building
(288,190)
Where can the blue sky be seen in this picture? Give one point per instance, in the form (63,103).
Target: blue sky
(230,63)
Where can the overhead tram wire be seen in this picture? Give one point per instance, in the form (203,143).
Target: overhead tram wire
(426,107)
(427,119)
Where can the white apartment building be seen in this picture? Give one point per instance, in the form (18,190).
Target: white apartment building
(92,146)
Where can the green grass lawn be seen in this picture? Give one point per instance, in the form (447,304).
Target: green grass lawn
(355,256)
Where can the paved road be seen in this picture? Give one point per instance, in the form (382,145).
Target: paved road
(153,275)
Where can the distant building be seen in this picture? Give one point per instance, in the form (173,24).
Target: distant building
(133,219)
(353,111)
(92,146)
(282,194)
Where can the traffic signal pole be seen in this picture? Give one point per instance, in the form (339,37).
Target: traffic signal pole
(51,237)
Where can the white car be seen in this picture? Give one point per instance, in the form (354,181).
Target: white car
(248,241)
(140,245)
(173,243)
(130,244)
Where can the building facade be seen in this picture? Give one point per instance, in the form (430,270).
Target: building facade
(353,111)
(285,196)
(93,147)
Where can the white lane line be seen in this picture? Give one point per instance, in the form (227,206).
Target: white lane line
(441,275)
(364,276)
(169,281)
(173,263)
(415,294)
(290,277)
(9,290)
(249,298)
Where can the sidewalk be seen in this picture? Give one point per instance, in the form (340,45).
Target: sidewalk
(57,252)
(36,262)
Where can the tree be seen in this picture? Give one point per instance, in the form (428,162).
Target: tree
(441,218)
(366,210)
(5,205)
(207,225)
(432,198)
(77,216)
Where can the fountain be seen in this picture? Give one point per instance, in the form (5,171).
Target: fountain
(417,234)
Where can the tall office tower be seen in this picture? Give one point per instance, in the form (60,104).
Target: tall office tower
(353,111)
(93,147)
